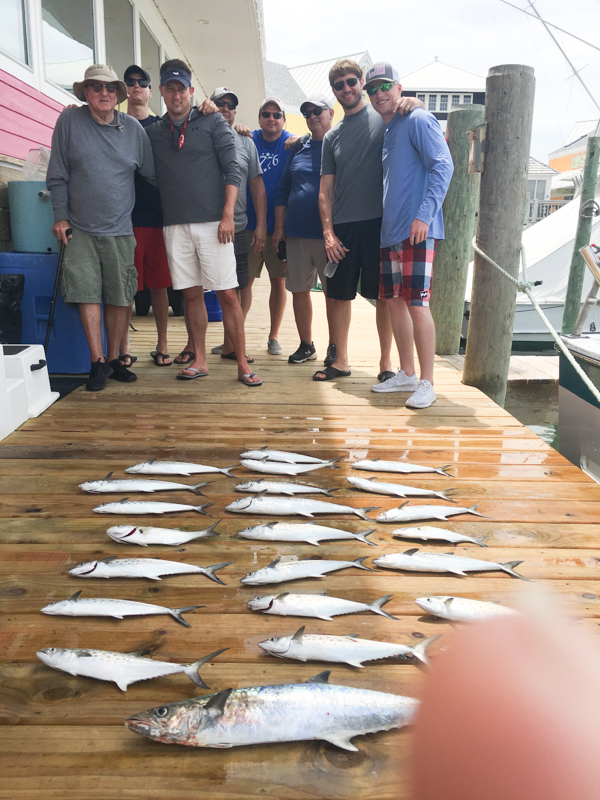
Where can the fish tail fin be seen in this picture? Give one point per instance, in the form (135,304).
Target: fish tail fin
(334,462)
(362,512)
(196,488)
(211,531)
(177,612)
(420,650)
(200,510)
(362,536)
(358,562)
(445,493)
(191,670)
(509,566)
(329,491)
(226,471)
(473,510)
(480,540)
(442,470)
(210,571)
(376,608)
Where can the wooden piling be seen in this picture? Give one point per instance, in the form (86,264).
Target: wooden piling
(582,237)
(454,253)
(508,114)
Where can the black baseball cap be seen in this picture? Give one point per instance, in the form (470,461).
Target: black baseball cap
(133,69)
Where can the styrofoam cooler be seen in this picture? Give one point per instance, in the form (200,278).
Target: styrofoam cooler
(13,400)
(28,363)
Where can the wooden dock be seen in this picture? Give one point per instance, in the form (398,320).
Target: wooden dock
(63,736)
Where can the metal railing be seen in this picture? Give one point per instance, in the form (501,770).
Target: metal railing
(540,209)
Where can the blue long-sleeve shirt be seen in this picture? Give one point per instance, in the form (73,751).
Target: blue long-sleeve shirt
(299,191)
(417,168)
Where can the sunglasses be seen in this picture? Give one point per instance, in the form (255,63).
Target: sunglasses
(274,114)
(339,85)
(316,111)
(143,83)
(223,103)
(385,86)
(111,88)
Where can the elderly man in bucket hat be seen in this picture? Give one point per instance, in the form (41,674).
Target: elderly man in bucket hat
(96,150)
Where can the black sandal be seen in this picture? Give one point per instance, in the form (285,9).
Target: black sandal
(132,359)
(232,357)
(190,360)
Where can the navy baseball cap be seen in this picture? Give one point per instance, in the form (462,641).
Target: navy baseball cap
(134,69)
(382,71)
(175,75)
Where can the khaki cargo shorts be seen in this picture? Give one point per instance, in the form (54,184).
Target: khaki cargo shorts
(99,268)
(268,257)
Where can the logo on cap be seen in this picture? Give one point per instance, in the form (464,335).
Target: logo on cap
(378,70)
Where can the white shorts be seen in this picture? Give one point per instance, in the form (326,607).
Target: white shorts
(197,257)
(306,262)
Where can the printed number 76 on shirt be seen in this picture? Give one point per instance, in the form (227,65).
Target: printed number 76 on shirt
(268,160)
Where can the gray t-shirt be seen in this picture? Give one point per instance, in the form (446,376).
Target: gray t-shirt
(247,156)
(352,152)
(90,174)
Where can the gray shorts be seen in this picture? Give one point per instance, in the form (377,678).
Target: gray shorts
(99,268)
(267,257)
(306,260)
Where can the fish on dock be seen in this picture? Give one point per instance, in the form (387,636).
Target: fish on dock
(302,532)
(415,560)
(154,467)
(319,606)
(284,506)
(110,484)
(428,533)
(350,650)
(462,609)
(285,468)
(281,455)
(152,568)
(121,668)
(408,513)
(173,537)
(127,506)
(293,712)
(278,572)
(375,486)
(280,487)
(402,467)
(75,606)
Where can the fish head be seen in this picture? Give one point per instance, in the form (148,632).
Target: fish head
(85,569)
(260,576)
(91,486)
(245,487)
(407,533)
(135,469)
(120,533)
(239,505)
(432,605)
(176,723)
(261,603)
(276,646)
(57,657)
(59,607)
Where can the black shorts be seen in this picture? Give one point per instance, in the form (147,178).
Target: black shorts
(241,259)
(361,262)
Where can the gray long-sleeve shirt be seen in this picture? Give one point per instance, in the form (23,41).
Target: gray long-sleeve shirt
(192,180)
(90,174)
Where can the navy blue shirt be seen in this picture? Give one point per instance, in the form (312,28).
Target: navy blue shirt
(147,211)
(299,191)
(273,157)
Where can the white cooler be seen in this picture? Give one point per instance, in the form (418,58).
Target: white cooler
(27,363)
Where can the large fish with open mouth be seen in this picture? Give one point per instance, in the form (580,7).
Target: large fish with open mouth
(107,607)
(284,506)
(302,532)
(280,487)
(110,484)
(415,560)
(130,534)
(408,513)
(302,646)
(152,568)
(462,609)
(127,506)
(122,668)
(319,606)
(282,456)
(292,712)
(284,467)
(402,467)
(428,533)
(375,486)
(277,572)
(154,467)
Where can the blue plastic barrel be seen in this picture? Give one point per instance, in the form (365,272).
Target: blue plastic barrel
(67,349)
(31,217)
(213,307)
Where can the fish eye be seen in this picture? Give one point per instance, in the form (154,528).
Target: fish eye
(162,711)
(51,650)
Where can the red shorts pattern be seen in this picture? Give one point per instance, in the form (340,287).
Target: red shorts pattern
(406,272)
(151,259)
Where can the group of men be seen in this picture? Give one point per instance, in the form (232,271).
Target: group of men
(193,201)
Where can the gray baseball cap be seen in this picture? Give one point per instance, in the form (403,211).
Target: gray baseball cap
(221,91)
(319,102)
(382,71)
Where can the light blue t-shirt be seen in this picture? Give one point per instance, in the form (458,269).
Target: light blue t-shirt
(417,168)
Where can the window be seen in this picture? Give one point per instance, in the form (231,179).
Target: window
(68,31)
(118,34)
(13,31)
(432,105)
(467,98)
(537,190)
(443,102)
(421,97)
(455,100)
(150,55)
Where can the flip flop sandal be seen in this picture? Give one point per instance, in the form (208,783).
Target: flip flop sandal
(155,354)
(245,378)
(189,360)
(385,376)
(231,357)
(132,359)
(331,373)
(197,374)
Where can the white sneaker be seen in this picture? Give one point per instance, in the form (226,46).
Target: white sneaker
(274,348)
(399,383)
(422,397)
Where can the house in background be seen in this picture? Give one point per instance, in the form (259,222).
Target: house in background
(569,160)
(540,179)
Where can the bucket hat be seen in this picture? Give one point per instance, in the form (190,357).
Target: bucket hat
(100,73)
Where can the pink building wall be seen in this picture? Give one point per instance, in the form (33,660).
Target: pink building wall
(27,117)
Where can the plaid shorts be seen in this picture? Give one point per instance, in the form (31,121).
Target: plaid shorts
(406,272)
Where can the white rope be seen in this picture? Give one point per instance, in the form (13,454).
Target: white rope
(526,286)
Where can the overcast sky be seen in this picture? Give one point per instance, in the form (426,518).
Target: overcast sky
(471,34)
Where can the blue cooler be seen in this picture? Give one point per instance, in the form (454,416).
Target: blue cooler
(213,307)
(67,349)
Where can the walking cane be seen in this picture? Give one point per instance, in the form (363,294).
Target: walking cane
(61,255)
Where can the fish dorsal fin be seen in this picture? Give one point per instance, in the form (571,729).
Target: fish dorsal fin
(137,653)
(108,477)
(411,552)
(281,596)
(217,701)
(271,524)
(322,677)
(274,563)
(374,479)
(152,461)
(297,637)
(123,500)
(258,495)
(109,560)
(375,459)
(75,596)
(259,480)
(450,553)
(351,636)
(263,448)
(448,602)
